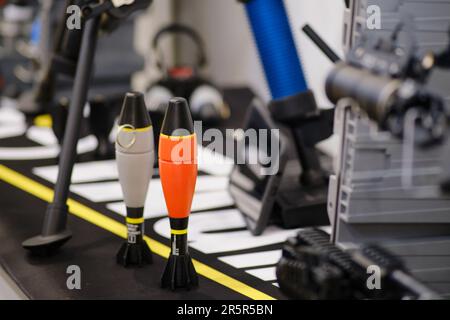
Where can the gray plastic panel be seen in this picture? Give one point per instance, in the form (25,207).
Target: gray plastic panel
(374,205)
(380,194)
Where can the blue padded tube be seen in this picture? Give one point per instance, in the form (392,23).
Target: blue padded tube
(277,51)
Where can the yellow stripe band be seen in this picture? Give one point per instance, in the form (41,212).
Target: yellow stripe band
(90,215)
(126,129)
(179,232)
(177,137)
(135,220)
(43,120)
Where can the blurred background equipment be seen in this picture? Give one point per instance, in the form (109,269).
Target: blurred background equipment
(185,80)
(17,18)
(17,25)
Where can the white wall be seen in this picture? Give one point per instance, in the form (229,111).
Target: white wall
(229,43)
(147,24)
(326,17)
(231,51)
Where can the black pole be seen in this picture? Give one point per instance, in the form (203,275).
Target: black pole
(54,232)
(78,101)
(320,43)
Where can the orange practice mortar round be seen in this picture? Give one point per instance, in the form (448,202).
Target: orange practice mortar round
(178,172)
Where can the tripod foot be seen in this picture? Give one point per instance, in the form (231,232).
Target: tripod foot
(179,273)
(46,245)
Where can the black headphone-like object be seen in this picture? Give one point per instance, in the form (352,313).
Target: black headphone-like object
(206,100)
(185,30)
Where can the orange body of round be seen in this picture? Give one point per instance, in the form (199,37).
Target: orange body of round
(178,173)
(178,182)
(178,149)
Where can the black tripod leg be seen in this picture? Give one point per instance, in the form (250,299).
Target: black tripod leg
(54,232)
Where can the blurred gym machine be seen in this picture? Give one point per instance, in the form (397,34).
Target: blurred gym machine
(74,56)
(387,188)
(295,195)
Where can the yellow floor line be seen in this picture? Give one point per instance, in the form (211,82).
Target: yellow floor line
(80,210)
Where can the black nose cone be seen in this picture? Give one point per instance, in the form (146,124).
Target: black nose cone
(178,119)
(134,112)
